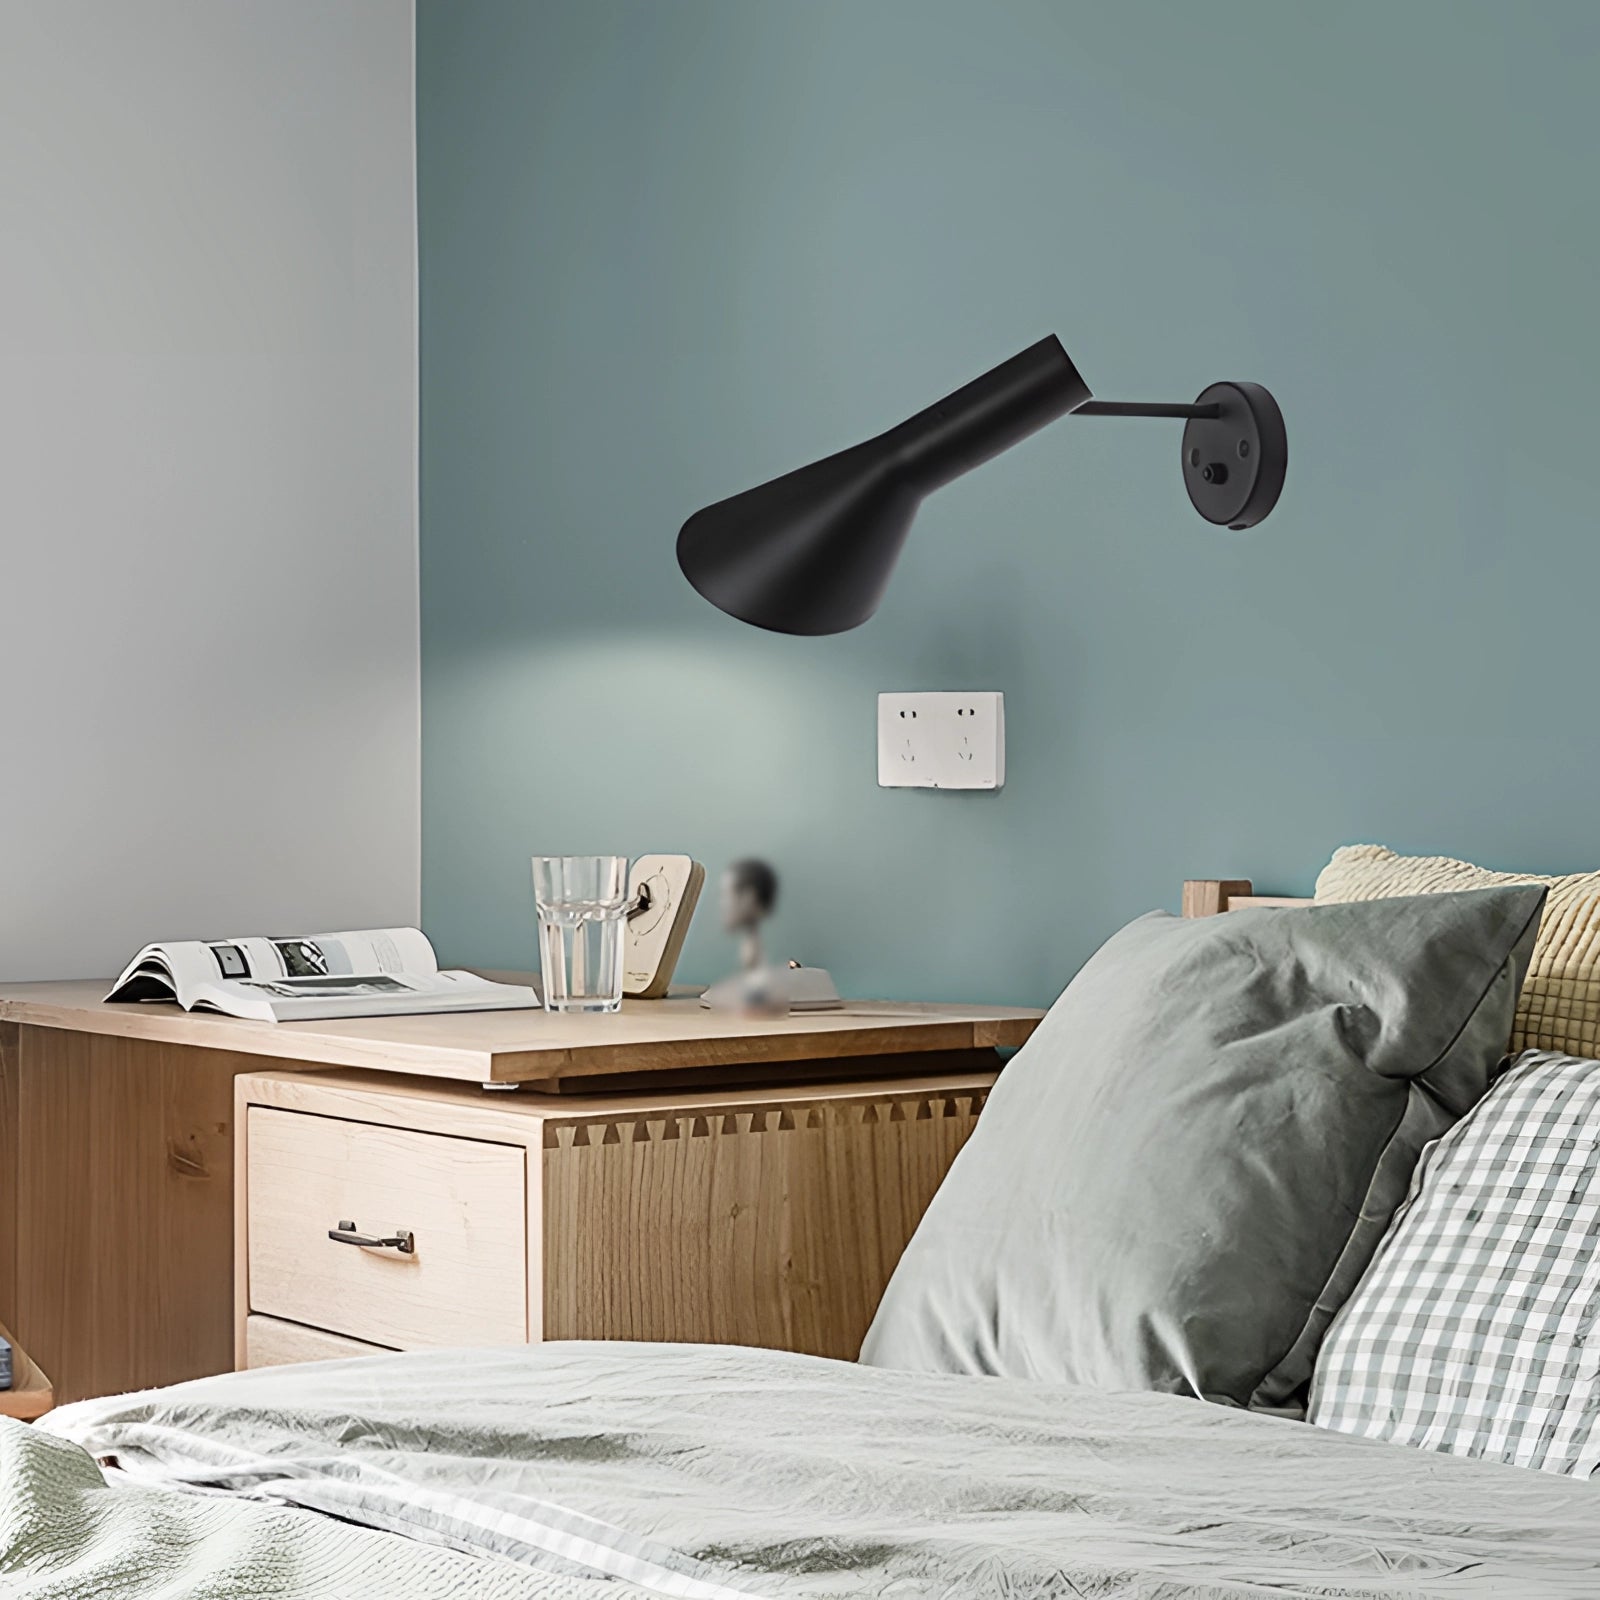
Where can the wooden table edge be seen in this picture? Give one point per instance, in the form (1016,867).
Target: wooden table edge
(861,1028)
(291,1087)
(896,1037)
(172,1025)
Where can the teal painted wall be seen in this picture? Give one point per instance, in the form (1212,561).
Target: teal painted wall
(670,250)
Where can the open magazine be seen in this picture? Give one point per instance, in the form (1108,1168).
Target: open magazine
(374,973)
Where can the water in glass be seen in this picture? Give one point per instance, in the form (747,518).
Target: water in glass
(582,904)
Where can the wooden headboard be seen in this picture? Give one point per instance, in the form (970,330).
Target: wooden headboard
(1205,897)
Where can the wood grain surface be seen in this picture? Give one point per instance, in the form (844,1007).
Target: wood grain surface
(463,1200)
(766,1215)
(776,1225)
(271,1343)
(117,1205)
(10,1159)
(122,1168)
(1207,897)
(524,1046)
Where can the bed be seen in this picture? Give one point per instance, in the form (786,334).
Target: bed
(575,1471)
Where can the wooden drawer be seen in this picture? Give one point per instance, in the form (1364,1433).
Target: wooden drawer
(270,1343)
(464,1201)
(736,1215)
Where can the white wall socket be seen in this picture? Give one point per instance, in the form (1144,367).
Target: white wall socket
(942,741)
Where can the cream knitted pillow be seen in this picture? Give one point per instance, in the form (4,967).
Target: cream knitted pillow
(1560,1005)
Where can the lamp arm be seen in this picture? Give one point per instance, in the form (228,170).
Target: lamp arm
(1142,408)
(1235,452)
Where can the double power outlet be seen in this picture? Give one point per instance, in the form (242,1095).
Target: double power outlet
(942,741)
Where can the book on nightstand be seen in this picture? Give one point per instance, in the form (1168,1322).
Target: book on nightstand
(373,973)
(5,1362)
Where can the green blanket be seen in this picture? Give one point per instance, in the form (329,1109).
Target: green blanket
(65,1534)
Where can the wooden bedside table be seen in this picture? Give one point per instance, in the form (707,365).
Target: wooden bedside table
(117,1134)
(30,1394)
(743,1216)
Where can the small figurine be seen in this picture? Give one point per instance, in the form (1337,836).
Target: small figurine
(749,897)
(749,894)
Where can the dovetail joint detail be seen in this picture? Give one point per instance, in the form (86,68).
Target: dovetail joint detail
(799,1117)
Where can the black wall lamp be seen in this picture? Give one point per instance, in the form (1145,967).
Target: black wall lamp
(811,552)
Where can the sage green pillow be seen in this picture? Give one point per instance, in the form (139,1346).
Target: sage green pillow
(1177,1182)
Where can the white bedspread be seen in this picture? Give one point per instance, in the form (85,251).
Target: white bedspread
(705,1471)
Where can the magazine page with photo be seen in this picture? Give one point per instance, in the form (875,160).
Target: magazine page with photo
(367,973)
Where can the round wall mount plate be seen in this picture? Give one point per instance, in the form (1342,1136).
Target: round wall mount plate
(1234,463)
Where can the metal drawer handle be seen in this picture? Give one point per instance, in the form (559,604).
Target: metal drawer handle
(402,1239)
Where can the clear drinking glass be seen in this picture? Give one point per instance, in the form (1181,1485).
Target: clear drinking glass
(582,904)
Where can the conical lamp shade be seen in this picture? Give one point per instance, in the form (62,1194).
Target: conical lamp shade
(811,552)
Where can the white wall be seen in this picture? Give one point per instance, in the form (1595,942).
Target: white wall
(208,612)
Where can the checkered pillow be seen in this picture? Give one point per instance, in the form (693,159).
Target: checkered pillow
(1476,1328)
